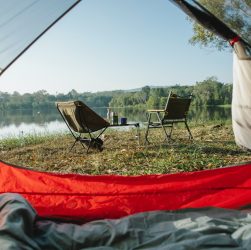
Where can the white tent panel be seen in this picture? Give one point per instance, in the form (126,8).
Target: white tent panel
(241,102)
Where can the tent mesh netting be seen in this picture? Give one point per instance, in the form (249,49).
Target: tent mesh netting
(23,22)
(226,18)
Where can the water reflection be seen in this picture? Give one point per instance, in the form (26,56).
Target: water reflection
(17,117)
(23,122)
(20,122)
(196,114)
(210,114)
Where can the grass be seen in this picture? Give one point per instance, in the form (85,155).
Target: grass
(213,147)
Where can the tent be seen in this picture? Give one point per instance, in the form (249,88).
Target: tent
(195,210)
(240,40)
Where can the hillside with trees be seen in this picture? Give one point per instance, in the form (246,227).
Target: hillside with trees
(208,92)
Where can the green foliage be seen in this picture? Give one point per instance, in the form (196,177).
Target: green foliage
(41,100)
(21,141)
(126,99)
(212,92)
(235,13)
(207,92)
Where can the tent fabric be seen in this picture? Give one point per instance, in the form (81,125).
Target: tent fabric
(196,11)
(23,22)
(206,13)
(234,12)
(241,101)
(207,228)
(84,197)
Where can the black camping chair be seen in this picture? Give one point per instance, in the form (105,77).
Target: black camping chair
(80,120)
(175,111)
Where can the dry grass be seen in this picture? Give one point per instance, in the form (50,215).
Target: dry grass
(212,147)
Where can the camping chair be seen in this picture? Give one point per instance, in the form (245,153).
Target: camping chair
(175,111)
(80,119)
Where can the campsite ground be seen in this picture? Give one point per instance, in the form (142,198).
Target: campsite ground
(213,146)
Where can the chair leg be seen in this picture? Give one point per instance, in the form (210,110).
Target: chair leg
(100,144)
(163,127)
(89,145)
(73,144)
(190,134)
(167,136)
(85,145)
(146,135)
(137,132)
(93,142)
(171,131)
(147,129)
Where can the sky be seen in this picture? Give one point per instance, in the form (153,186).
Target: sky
(106,45)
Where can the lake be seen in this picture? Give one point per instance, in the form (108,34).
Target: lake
(23,122)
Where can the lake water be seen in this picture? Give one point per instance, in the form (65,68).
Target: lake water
(23,122)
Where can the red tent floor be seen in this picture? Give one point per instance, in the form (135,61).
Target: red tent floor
(94,197)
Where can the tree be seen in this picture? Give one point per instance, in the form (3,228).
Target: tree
(146,90)
(73,94)
(235,13)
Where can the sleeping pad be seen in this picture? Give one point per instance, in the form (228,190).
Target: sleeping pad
(202,228)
